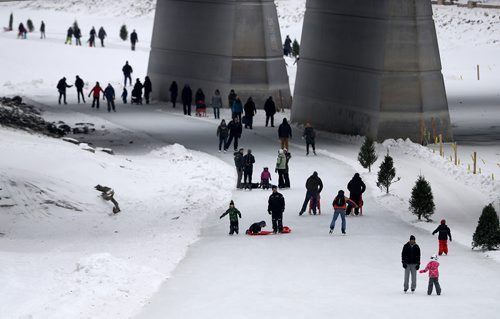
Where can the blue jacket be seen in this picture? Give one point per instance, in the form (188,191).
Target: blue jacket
(109,93)
(237,107)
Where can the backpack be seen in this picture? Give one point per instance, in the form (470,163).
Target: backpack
(339,201)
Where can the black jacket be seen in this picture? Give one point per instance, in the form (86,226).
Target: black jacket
(79,83)
(356,187)
(248,161)
(187,95)
(238,160)
(410,254)
(255,228)
(270,107)
(309,135)
(276,203)
(127,69)
(148,86)
(284,130)
(444,232)
(174,90)
(250,109)
(235,129)
(314,184)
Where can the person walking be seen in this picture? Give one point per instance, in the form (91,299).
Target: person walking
(433,269)
(339,207)
(314,186)
(127,73)
(148,88)
(174,91)
(275,208)
(270,109)
(310,137)
(77,33)
(237,108)
(284,133)
(69,36)
(124,95)
(248,161)
(42,30)
(281,168)
(216,103)
(287,46)
(250,112)
(187,99)
(92,37)
(109,94)
(134,39)
(410,258)
(79,84)
(238,163)
(137,92)
(96,93)
(356,188)
(199,102)
(222,133)
(444,233)
(101,35)
(235,130)
(233,218)
(286,175)
(230,99)
(61,87)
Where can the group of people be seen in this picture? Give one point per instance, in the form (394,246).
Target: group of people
(75,31)
(23,32)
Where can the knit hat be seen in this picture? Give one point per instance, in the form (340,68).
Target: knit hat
(281,151)
(434,257)
(443,221)
(262,224)
(231,203)
(412,237)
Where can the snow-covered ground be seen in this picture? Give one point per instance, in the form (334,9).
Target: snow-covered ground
(63,256)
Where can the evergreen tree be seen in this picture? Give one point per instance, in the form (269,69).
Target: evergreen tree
(30,25)
(386,174)
(422,200)
(11,21)
(123,33)
(295,48)
(367,154)
(487,235)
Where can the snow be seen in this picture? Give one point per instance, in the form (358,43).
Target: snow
(63,254)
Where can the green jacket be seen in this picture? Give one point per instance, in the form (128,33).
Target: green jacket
(233,214)
(281,162)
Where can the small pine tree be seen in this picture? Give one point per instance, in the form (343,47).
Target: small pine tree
(487,234)
(30,25)
(11,21)
(386,174)
(422,200)
(124,33)
(295,48)
(367,156)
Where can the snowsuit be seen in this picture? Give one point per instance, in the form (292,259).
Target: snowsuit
(281,169)
(339,207)
(270,109)
(233,220)
(432,267)
(101,35)
(310,137)
(96,92)
(444,234)
(61,87)
(410,258)
(187,99)
(250,111)
(265,177)
(133,39)
(356,188)
(284,133)
(276,207)
(174,91)
(69,36)
(248,161)
(79,88)
(314,186)
(238,163)
(109,93)
(217,105)
(127,71)
(148,88)
(235,130)
(222,133)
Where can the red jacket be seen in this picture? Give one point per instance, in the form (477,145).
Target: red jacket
(96,90)
(432,267)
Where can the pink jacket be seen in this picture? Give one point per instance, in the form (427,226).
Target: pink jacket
(265,176)
(432,267)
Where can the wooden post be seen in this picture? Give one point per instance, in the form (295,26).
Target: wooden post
(455,151)
(474,157)
(477,69)
(441,153)
(433,125)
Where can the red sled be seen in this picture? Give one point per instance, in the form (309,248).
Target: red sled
(286,230)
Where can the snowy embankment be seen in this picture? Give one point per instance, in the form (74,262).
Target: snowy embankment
(62,249)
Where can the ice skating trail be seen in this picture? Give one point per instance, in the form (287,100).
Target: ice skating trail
(307,273)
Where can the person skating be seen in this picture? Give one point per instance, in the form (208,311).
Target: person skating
(275,208)
(174,91)
(314,186)
(281,168)
(61,87)
(255,228)
(96,93)
(42,30)
(124,95)
(270,109)
(235,130)
(101,35)
(233,218)
(284,133)
(187,99)
(250,112)
(433,269)
(137,92)
(339,206)
(148,88)
(222,134)
(265,177)
(69,36)
(127,73)
(444,234)
(248,161)
(238,163)
(286,174)
(310,137)
(133,39)
(356,188)
(79,84)
(410,258)
(216,103)
(109,94)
